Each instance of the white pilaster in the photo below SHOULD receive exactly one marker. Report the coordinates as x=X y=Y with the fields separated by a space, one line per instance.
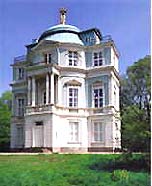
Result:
x=47 y=88
x=33 y=91
x=59 y=91
x=29 y=91
x=52 y=88
x=58 y=53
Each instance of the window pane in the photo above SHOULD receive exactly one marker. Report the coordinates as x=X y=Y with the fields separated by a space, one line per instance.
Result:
x=100 y=54
x=44 y=98
x=73 y=131
x=70 y=100
x=75 y=54
x=95 y=63
x=100 y=92
x=70 y=92
x=70 y=54
x=73 y=97
x=98 y=131
x=75 y=92
x=100 y=62
x=75 y=63
x=45 y=58
x=70 y=62
x=96 y=103
x=95 y=55
x=98 y=59
x=49 y=58
x=70 y=104
x=95 y=92
x=101 y=102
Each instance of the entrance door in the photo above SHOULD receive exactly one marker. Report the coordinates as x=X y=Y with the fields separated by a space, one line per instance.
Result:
x=38 y=136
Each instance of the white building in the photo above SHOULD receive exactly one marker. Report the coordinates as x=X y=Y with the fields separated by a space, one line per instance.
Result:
x=66 y=92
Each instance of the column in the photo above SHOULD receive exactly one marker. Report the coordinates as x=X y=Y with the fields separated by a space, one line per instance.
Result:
x=29 y=91
x=59 y=91
x=52 y=88
x=47 y=88
x=33 y=91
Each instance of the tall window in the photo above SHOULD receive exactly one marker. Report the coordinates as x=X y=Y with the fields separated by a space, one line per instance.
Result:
x=97 y=59
x=74 y=131
x=98 y=132
x=20 y=107
x=73 y=97
x=47 y=58
x=19 y=136
x=20 y=73
x=98 y=97
x=73 y=58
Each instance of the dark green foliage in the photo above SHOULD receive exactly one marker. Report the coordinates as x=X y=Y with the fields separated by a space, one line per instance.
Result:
x=135 y=130
x=127 y=161
x=66 y=170
x=135 y=97
x=5 y=116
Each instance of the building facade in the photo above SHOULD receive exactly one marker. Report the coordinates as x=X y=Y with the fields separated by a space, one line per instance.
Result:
x=66 y=92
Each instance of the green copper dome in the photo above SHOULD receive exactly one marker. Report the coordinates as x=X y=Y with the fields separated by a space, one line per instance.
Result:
x=62 y=33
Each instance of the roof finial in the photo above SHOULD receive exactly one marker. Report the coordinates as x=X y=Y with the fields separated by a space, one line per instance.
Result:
x=63 y=12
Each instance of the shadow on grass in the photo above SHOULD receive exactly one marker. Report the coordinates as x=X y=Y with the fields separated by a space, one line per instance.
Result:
x=126 y=161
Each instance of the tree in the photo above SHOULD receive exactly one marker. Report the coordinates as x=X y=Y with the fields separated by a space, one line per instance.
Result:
x=5 y=116
x=135 y=106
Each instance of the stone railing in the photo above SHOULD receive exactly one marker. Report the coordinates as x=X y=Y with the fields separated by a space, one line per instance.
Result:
x=68 y=111
x=20 y=59
x=38 y=108
x=103 y=110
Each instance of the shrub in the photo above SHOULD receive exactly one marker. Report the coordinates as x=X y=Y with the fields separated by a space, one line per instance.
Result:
x=120 y=175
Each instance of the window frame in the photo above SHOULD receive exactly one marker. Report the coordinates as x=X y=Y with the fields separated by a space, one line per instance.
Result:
x=100 y=134
x=73 y=59
x=20 y=106
x=20 y=73
x=48 y=58
x=74 y=132
x=73 y=97
x=98 y=58
x=98 y=87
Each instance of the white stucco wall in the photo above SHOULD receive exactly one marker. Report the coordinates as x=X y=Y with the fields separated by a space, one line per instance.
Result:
x=114 y=59
x=47 y=129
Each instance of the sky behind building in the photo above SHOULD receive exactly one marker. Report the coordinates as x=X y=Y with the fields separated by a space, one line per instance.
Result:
x=127 y=21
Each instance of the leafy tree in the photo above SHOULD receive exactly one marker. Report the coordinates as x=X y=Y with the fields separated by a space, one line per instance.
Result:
x=135 y=130
x=135 y=106
x=5 y=116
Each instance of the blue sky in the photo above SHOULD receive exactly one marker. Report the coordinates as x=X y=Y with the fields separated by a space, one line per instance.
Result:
x=128 y=21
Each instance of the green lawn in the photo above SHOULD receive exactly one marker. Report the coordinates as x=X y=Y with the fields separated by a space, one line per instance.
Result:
x=70 y=170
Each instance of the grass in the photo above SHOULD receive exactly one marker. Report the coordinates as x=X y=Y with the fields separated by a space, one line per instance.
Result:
x=71 y=170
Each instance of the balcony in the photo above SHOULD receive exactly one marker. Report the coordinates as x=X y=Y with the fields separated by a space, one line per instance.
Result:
x=106 y=38
x=19 y=59
x=40 y=109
